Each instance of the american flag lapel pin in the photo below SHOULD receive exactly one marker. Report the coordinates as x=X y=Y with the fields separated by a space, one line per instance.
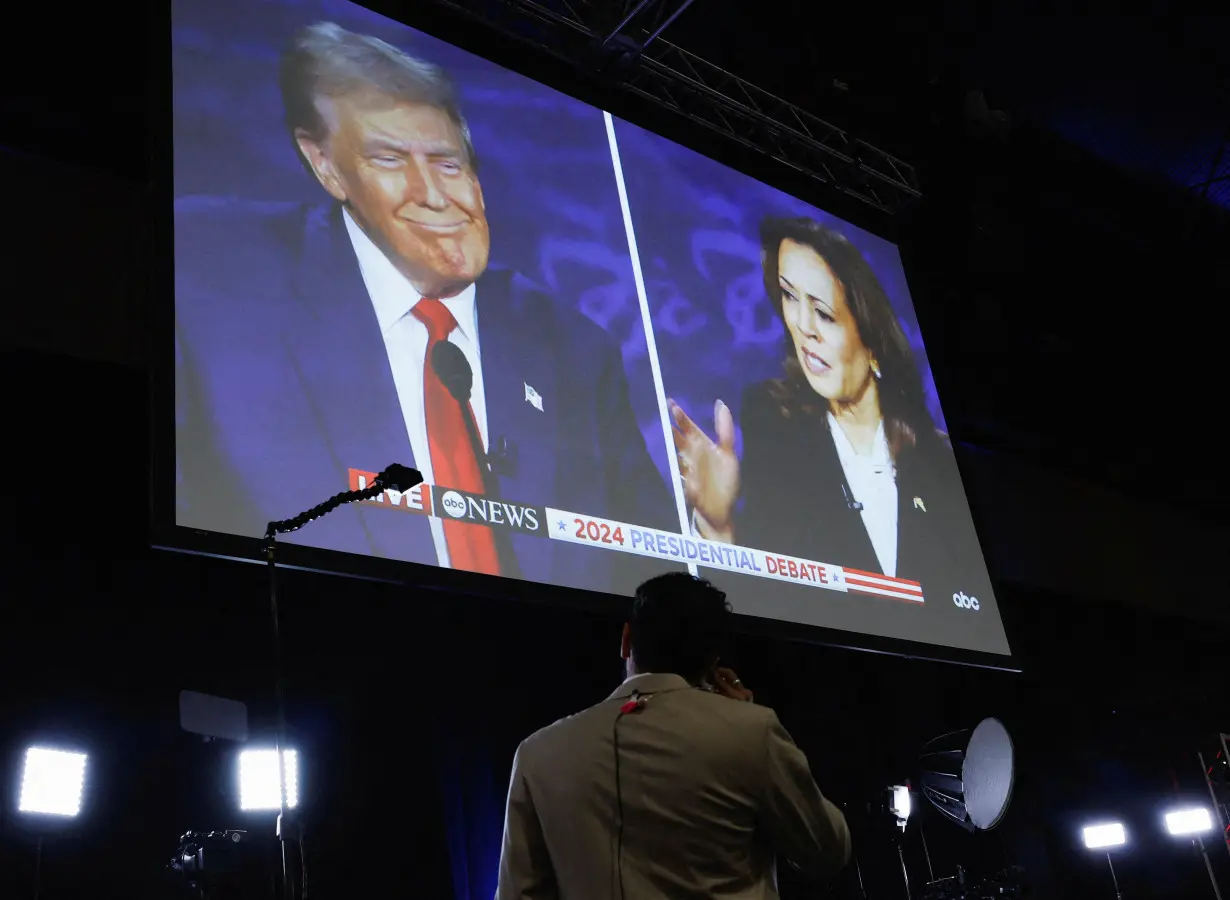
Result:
x=533 y=398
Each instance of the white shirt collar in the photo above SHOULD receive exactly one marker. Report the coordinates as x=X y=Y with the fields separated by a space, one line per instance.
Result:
x=879 y=455
x=392 y=293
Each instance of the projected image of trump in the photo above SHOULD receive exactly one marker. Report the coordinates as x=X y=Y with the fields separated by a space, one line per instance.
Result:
x=310 y=341
x=841 y=460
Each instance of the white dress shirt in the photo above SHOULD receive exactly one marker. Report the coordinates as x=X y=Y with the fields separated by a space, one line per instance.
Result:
x=872 y=480
x=405 y=341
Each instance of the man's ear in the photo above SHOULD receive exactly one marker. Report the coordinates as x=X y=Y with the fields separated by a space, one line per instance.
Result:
x=322 y=165
x=625 y=644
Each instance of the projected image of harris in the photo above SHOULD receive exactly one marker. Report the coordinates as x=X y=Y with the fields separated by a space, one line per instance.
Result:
x=328 y=325
x=804 y=415
x=843 y=435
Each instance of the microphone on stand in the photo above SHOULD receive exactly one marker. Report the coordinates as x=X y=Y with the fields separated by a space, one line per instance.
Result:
x=453 y=369
x=398 y=478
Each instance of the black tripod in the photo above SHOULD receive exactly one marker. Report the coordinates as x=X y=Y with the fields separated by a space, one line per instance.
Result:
x=395 y=477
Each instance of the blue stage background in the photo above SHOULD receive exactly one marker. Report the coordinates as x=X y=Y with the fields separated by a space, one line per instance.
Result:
x=544 y=158
x=697 y=225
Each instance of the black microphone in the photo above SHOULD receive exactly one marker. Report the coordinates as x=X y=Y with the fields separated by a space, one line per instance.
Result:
x=453 y=369
x=399 y=478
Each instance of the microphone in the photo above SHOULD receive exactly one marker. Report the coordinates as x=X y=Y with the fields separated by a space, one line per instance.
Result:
x=399 y=478
x=453 y=369
x=635 y=704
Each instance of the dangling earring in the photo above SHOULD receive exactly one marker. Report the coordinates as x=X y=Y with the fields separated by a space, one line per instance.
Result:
x=875 y=368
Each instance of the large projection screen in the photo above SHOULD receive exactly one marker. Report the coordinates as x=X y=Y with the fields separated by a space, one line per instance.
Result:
x=609 y=355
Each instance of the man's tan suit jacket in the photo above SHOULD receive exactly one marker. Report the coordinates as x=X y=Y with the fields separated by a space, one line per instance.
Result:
x=710 y=790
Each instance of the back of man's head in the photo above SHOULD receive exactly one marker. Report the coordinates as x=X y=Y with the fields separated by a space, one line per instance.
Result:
x=679 y=625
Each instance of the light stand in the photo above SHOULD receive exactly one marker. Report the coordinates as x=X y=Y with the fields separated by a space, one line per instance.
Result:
x=926 y=850
x=900 y=806
x=905 y=872
x=1113 y=878
x=395 y=477
x=1105 y=838
x=1208 y=865
x=52 y=786
x=1194 y=823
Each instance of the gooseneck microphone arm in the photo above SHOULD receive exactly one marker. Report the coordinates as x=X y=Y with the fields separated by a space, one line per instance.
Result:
x=395 y=477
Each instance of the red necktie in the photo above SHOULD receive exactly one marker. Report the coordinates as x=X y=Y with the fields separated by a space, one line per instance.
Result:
x=453 y=461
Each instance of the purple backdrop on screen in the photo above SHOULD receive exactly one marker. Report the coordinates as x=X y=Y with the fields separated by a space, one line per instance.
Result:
x=697 y=233
x=545 y=160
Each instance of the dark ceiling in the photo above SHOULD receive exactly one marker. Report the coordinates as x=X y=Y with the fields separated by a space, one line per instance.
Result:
x=1149 y=91
x=1069 y=280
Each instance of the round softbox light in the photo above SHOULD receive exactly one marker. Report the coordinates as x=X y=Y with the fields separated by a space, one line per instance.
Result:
x=968 y=775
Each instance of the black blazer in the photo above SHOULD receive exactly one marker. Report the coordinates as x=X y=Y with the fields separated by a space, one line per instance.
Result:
x=795 y=501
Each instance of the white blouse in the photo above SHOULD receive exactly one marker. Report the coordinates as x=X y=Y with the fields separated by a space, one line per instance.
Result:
x=872 y=480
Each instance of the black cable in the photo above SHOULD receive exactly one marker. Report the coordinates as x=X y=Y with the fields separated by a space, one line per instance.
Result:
x=619 y=801
x=635 y=704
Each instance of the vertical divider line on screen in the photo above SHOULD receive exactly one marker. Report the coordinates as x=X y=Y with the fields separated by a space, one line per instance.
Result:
x=651 y=343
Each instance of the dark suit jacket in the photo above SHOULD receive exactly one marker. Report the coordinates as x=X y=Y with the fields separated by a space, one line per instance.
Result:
x=794 y=501
x=283 y=385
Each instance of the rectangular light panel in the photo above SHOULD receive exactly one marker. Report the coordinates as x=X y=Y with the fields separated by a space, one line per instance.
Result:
x=1099 y=837
x=258 y=779
x=1189 y=821
x=900 y=802
x=52 y=781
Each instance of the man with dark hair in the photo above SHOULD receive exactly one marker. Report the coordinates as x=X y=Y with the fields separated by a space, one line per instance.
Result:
x=308 y=340
x=677 y=785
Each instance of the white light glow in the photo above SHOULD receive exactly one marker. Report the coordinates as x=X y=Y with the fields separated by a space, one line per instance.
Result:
x=901 y=802
x=1099 y=837
x=52 y=782
x=1189 y=821
x=258 y=779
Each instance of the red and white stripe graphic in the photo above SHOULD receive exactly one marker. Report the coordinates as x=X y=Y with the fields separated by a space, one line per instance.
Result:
x=883 y=586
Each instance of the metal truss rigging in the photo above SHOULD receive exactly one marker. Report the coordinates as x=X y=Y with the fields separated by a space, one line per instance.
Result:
x=622 y=41
x=1215 y=186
